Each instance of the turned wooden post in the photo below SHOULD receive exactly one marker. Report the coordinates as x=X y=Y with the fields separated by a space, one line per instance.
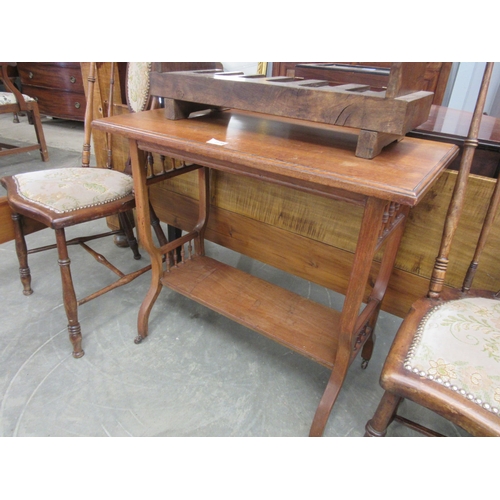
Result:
x=88 y=116
x=457 y=200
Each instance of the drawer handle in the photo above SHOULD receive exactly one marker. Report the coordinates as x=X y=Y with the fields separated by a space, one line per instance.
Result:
x=72 y=79
x=77 y=105
x=30 y=75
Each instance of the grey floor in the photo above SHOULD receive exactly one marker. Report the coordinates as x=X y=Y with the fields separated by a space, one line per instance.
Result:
x=197 y=374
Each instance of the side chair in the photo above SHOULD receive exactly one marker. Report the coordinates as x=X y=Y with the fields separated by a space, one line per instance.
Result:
x=13 y=101
x=64 y=197
x=446 y=354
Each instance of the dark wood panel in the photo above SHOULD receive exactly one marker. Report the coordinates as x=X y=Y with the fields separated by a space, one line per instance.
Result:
x=7 y=226
x=68 y=105
x=58 y=88
x=452 y=126
x=53 y=76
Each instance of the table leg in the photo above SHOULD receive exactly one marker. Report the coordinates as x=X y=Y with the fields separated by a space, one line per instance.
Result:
x=382 y=281
x=147 y=304
x=365 y=251
x=143 y=214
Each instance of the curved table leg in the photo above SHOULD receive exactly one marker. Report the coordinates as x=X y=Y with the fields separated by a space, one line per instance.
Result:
x=329 y=397
x=150 y=298
x=365 y=251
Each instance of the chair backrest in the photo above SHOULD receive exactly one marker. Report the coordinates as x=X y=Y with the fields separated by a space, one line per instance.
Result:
x=138 y=78
x=458 y=196
x=9 y=85
x=109 y=138
x=139 y=98
x=483 y=236
x=138 y=81
x=89 y=114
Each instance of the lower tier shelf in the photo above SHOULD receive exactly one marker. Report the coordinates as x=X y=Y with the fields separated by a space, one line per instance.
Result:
x=298 y=323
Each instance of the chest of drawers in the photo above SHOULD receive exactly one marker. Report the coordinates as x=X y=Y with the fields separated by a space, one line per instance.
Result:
x=57 y=87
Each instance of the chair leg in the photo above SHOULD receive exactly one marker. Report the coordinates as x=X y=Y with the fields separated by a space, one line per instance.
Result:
x=69 y=296
x=34 y=116
x=386 y=411
x=155 y=222
x=22 y=254
x=173 y=234
x=129 y=234
x=367 y=351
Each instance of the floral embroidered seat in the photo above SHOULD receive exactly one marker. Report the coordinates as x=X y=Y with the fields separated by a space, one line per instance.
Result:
x=64 y=190
x=446 y=353
x=457 y=345
x=10 y=98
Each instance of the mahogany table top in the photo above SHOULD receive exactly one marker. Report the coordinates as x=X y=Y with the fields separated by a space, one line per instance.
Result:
x=454 y=123
x=314 y=157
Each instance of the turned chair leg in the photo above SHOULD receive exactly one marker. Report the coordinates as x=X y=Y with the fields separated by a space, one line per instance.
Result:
x=129 y=234
x=155 y=222
x=22 y=254
x=367 y=351
x=69 y=296
x=386 y=411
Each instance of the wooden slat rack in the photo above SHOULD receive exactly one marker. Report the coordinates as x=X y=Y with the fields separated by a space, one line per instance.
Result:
x=382 y=115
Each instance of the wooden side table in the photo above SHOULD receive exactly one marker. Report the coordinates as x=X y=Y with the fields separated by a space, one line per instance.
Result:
x=318 y=159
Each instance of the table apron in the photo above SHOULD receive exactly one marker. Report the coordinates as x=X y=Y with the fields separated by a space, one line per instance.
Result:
x=257 y=173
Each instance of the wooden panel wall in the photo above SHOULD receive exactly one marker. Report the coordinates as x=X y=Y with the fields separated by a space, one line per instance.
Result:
x=6 y=225
x=314 y=237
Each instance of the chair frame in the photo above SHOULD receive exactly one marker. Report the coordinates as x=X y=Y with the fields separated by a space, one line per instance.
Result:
x=400 y=383
x=22 y=106
x=22 y=209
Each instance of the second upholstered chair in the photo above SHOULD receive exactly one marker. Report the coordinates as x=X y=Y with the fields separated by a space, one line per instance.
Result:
x=446 y=354
x=12 y=101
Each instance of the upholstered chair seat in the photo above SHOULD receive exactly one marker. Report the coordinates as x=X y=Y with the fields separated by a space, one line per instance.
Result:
x=10 y=98
x=64 y=190
x=457 y=345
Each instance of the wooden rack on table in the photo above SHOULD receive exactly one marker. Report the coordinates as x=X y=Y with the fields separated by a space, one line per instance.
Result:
x=383 y=115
